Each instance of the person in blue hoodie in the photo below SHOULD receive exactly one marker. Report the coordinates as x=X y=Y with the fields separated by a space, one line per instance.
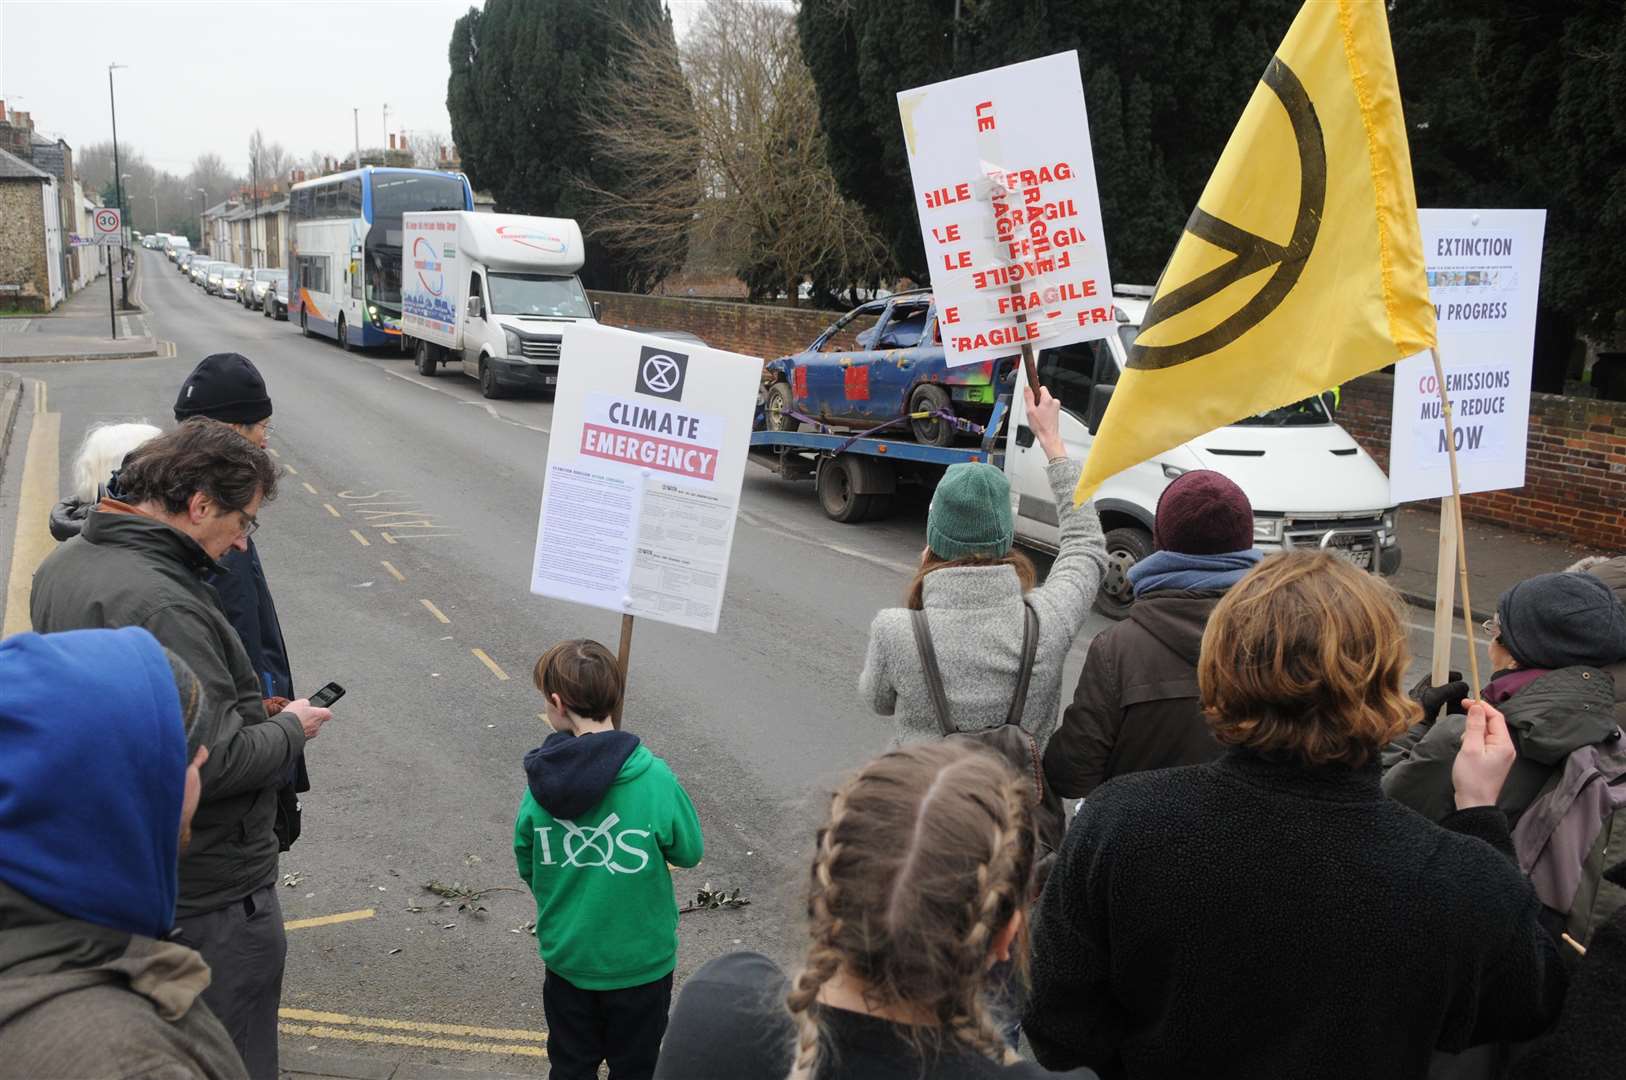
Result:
x=104 y=734
x=600 y=821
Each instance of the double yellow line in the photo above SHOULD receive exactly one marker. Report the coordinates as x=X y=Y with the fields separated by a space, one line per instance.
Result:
x=371 y=1029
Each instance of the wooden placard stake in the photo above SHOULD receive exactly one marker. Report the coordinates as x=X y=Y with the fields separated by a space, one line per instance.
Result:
x=623 y=655
x=1445 y=592
x=1453 y=506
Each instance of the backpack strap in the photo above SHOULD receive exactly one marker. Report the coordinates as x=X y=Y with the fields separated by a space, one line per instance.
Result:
x=929 y=668
x=1030 y=648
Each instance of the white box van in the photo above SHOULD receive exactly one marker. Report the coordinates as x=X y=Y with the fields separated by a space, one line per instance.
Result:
x=1310 y=483
x=487 y=292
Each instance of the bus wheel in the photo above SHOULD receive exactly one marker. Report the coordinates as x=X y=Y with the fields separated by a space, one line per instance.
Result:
x=425 y=359
x=344 y=335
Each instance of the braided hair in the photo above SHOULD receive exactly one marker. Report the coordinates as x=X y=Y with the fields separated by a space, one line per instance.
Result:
x=926 y=856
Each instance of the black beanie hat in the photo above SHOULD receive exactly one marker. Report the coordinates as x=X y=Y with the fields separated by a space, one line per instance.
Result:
x=1561 y=620
x=1203 y=513
x=225 y=387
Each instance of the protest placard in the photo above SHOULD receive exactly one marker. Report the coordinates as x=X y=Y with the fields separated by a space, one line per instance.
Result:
x=1484 y=269
x=1006 y=193
x=646 y=455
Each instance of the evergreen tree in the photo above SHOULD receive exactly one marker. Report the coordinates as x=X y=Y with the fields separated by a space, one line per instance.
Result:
x=524 y=73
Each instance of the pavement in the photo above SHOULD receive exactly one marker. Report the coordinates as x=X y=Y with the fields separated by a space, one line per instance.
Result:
x=80 y=328
x=297 y=1064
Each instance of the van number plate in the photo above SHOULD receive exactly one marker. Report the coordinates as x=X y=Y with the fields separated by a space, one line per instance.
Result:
x=1361 y=557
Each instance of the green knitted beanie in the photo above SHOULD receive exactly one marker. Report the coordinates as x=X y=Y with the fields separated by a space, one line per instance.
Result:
x=971 y=513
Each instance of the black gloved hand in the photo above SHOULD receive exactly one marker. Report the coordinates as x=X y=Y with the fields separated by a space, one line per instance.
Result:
x=1452 y=696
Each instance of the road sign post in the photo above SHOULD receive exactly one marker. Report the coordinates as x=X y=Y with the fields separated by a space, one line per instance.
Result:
x=108 y=224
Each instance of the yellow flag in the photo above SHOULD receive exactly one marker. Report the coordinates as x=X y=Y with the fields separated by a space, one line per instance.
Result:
x=1302 y=265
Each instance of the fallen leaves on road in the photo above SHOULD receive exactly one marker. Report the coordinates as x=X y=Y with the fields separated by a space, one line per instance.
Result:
x=709 y=899
x=464 y=897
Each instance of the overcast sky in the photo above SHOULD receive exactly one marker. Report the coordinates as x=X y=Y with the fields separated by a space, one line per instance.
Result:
x=202 y=75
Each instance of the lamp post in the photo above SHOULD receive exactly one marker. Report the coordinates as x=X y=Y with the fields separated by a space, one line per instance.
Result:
x=203 y=204
x=118 y=182
x=155 y=212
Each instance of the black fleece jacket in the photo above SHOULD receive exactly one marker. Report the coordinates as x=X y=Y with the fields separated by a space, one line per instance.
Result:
x=1250 y=919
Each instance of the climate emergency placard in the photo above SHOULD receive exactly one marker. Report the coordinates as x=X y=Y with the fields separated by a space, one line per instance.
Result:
x=1484 y=270
x=1005 y=189
x=646 y=455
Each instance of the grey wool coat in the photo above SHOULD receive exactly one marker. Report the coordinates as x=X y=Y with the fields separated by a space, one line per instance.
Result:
x=976 y=618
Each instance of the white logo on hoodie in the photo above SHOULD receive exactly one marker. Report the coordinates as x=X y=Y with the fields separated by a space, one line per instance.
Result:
x=599 y=848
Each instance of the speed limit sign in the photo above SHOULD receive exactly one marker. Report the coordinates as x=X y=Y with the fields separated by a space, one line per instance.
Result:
x=109 y=226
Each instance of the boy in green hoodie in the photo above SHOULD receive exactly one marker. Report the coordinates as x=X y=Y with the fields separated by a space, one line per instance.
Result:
x=601 y=819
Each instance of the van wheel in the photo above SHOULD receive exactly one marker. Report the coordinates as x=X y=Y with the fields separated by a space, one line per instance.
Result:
x=488 y=382
x=932 y=430
x=1126 y=546
x=344 y=335
x=835 y=483
x=781 y=403
x=424 y=359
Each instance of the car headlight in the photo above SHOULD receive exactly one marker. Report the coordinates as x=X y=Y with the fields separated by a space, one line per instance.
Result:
x=511 y=340
x=1268 y=529
x=1386 y=535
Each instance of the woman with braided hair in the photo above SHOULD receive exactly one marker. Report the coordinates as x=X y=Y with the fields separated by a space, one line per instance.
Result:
x=918 y=888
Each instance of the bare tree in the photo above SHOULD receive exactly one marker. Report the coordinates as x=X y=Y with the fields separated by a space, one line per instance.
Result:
x=209 y=172
x=735 y=167
x=427 y=148
x=268 y=161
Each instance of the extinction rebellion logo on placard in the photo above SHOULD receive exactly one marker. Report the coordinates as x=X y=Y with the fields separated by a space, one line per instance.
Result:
x=661 y=372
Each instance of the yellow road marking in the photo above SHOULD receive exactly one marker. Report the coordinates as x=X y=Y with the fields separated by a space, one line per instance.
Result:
x=410 y=1040
x=312 y=1016
x=330 y=509
x=388 y=539
x=33 y=541
x=480 y=655
x=307 y=486
x=360 y=539
x=435 y=611
x=394 y=573
x=291 y=470
x=40 y=393
x=329 y=920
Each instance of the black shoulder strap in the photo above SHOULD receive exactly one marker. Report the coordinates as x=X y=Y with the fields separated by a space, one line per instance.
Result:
x=928 y=666
x=1030 y=647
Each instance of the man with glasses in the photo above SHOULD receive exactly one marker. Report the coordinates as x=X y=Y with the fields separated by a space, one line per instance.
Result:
x=229 y=388
x=187 y=499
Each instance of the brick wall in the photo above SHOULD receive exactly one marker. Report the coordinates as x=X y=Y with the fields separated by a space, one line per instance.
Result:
x=1575 y=471
x=754 y=329
x=22 y=245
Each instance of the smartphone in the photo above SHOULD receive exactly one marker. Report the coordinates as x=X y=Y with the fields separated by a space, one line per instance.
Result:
x=327 y=695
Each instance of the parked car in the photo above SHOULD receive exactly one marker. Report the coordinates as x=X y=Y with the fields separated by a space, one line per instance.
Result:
x=882 y=361
x=216 y=275
x=253 y=293
x=275 y=304
x=231 y=282
x=200 y=270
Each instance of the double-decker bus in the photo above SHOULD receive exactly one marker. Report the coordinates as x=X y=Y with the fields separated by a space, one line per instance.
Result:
x=344 y=248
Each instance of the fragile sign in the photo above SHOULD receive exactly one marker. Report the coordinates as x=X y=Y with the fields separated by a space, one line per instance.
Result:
x=1484 y=270
x=1008 y=208
x=646 y=456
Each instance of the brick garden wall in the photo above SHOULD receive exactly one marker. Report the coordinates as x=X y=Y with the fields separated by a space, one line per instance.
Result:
x=1576 y=470
x=754 y=329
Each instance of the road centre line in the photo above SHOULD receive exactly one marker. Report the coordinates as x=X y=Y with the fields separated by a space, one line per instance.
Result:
x=291 y=470
x=1430 y=629
x=360 y=539
x=310 y=1032
x=329 y=920
x=307 y=487
x=40 y=392
x=330 y=509
x=394 y=573
x=312 y=1016
x=435 y=611
x=388 y=539
x=480 y=655
x=272 y=451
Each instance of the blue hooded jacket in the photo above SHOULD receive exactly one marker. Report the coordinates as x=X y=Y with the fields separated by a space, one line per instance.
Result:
x=91 y=776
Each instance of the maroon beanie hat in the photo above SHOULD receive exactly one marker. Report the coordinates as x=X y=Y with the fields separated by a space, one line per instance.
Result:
x=1203 y=513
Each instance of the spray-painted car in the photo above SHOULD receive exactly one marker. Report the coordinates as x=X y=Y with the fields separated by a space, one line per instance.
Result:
x=877 y=363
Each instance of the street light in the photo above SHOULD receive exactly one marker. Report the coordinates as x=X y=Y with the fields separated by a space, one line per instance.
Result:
x=118 y=183
x=203 y=204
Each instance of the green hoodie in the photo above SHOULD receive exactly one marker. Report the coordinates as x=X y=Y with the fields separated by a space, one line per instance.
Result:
x=606 y=918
